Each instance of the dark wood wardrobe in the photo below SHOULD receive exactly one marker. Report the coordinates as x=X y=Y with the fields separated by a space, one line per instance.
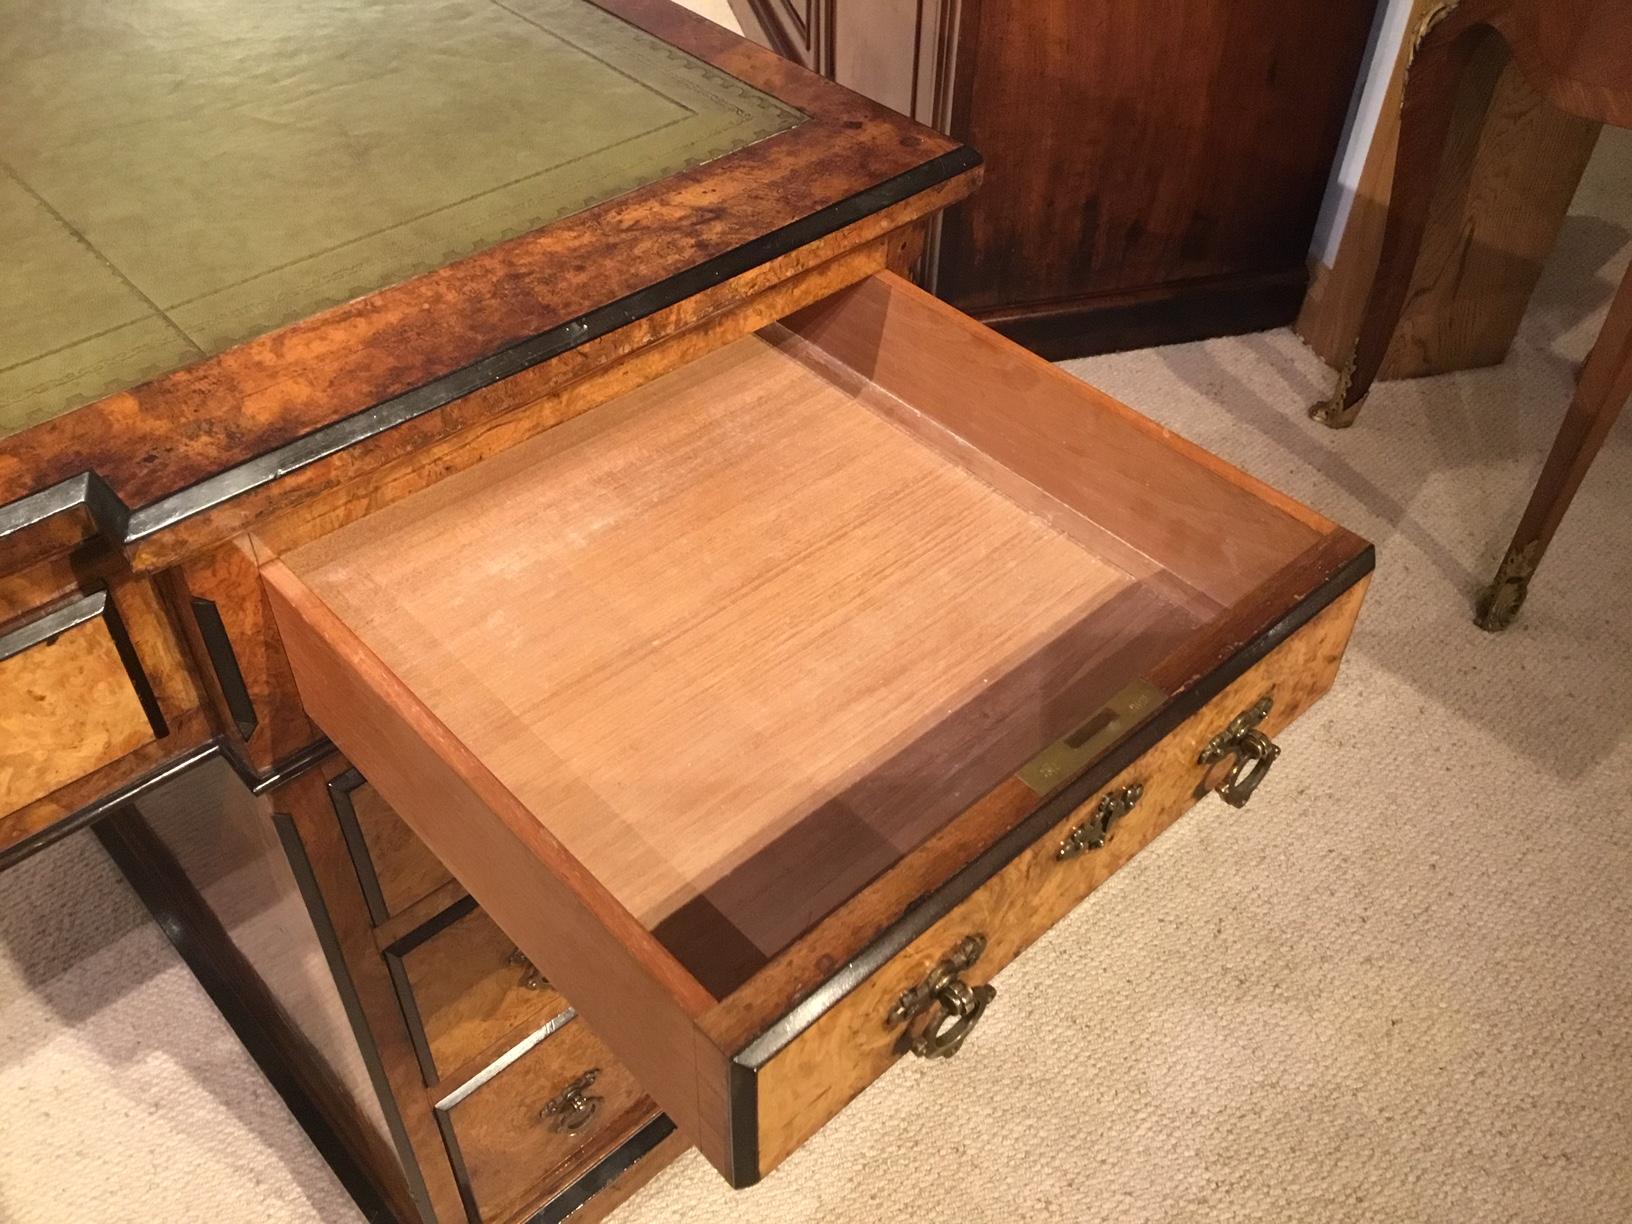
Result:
x=1154 y=167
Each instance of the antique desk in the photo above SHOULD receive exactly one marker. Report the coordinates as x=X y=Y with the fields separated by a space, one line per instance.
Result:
x=582 y=658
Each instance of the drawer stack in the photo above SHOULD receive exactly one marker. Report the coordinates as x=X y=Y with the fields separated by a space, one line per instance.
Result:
x=524 y=1097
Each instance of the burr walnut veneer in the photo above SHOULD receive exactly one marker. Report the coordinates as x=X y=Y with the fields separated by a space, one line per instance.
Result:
x=580 y=656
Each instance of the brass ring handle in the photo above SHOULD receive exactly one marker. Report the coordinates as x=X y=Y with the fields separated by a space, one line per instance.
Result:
x=963 y=1005
x=943 y=1008
x=1254 y=752
x=572 y=1110
x=531 y=978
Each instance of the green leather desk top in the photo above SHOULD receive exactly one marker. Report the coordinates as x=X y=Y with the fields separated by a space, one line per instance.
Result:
x=177 y=176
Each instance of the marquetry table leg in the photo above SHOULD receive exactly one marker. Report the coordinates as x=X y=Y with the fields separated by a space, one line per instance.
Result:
x=1601 y=392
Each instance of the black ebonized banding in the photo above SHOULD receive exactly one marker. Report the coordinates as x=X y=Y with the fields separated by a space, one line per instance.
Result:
x=70 y=616
x=224 y=659
x=107 y=804
x=611 y=1167
x=257 y=784
x=404 y=988
x=340 y=789
x=53 y=624
x=312 y=894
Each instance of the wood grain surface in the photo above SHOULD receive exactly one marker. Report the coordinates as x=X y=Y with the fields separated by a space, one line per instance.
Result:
x=70 y=708
x=1093 y=466
x=743 y=593
x=427 y=447
x=1511 y=166
x=558 y=914
x=805 y=1085
x=404 y=866
x=470 y=992
x=1131 y=197
x=229 y=578
x=338 y=902
x=510 y=1145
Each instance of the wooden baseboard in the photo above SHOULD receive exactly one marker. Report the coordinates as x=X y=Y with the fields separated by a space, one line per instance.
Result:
x=1170 y=314
x=290 y=1065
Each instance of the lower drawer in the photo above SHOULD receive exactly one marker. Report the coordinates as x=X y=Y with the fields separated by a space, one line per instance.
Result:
x=518 y=1122
x=464 y=987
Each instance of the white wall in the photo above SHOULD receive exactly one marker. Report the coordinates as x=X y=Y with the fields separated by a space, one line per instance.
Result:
x=1387 y=36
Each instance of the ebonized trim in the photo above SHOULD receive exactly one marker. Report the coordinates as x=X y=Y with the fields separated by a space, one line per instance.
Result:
x=340 y=789
x=743 y=1087
x=224 y=660
x=234 y=988
x=108 y=804
x=53 y=624
x=404 y=988
x=257 y=784
x=611 y=1167
x=312 y=894
x=123 y=525
x=568 y=1200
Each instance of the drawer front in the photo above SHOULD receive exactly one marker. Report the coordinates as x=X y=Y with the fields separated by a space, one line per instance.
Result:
x=394 y=867
x=465 y=988
x=832 y=1061
x=74 y=699
x=511 y=1128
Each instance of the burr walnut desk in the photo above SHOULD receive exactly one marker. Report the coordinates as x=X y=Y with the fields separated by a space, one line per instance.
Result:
x=582 y=658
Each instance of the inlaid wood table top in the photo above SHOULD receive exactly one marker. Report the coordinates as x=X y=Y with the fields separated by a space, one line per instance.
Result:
x=241 y=241
x=189 y=174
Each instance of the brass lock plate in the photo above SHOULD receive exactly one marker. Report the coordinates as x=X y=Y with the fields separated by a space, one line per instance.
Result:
x=1064 y=759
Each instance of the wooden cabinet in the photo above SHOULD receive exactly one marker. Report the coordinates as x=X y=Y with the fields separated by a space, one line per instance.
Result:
x=1154 y=170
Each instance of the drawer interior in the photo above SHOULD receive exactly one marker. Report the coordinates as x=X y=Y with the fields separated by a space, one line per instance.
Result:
x=743 y=638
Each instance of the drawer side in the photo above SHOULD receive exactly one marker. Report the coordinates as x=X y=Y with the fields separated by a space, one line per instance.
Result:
x=645 y=1005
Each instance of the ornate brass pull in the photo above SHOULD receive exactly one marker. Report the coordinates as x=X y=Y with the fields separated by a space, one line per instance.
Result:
x=944 y=1008
x=571 y=1111
x=1254 y=753
x=1091 y=833
x=531 y=978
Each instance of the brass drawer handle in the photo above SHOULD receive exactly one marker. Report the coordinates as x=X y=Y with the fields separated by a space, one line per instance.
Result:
x=1092 y=833
x=572 y=1110
x=1254 y=753
x=531 y=978
x=943 y=1008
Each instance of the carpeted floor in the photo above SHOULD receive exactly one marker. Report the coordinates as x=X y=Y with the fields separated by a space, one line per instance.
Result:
x=1396 y=987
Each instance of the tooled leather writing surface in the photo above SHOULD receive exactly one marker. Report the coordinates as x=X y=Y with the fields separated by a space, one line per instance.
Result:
x=178 y=176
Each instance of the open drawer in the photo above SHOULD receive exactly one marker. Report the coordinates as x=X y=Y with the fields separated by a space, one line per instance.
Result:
x=772 y=707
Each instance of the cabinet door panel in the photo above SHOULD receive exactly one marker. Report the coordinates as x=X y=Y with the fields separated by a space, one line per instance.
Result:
x=1134 y=146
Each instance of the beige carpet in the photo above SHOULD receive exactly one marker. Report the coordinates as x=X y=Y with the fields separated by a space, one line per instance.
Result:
x=1397 y=987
